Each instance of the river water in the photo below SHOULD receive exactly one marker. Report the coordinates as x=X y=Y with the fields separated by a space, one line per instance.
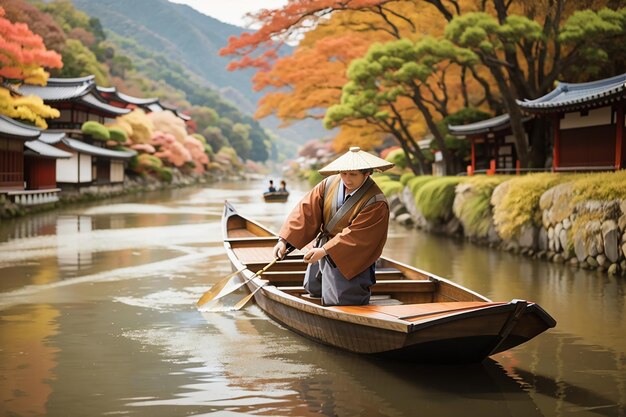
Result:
x=98 y=318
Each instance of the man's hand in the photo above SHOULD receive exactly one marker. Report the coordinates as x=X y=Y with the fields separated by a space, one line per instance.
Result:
x=314 y=255
x=280 y=249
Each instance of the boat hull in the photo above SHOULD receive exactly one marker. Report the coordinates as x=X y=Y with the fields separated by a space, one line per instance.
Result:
x=431 y=319
x=462 y=339
x=276 y=196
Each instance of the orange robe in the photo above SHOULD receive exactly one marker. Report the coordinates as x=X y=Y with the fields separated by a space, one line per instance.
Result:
x=356 y=247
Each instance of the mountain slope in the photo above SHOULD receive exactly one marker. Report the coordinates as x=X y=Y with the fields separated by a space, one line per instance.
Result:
x=192 y=40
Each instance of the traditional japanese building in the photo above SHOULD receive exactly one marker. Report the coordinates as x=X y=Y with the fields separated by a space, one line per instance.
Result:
x=88 y=165
x=125 y=101
x=151 y=104
x=79 y=100
x=588 y=123
x=28 y=163
x=492 y=144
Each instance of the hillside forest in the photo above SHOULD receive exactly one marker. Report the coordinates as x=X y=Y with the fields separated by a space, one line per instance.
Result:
x=42 y=39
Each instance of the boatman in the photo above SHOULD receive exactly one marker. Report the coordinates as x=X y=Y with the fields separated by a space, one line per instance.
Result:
x=346 y=216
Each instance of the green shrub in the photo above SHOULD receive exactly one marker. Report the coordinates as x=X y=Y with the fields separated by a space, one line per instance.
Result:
x=434 y=199
x=117 y=135
x=145 y=160
x=96 y=130
x=397 y=157
x=406 y=177
x=390 y=188
x=380 y=178
x=165 y=174
x=472 y=204
x=314 y=177
x=416 y=183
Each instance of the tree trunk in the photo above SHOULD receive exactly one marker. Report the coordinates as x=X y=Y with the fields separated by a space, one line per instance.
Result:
x=515 y=114
x=539 y=142
x=445 y=152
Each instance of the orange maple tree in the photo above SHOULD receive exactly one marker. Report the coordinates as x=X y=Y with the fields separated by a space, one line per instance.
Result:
x=333 y=34
x=23 y=57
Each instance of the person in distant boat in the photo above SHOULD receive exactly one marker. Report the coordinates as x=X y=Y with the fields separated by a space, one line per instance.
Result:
x=271 y=188
x=283 y=186
x=346 y=216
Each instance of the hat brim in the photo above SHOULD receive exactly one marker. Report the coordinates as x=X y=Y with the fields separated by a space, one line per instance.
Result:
x=356 y=161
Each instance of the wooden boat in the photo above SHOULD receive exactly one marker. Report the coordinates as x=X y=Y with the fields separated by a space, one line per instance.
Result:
x=413 y=315
x=275 y=196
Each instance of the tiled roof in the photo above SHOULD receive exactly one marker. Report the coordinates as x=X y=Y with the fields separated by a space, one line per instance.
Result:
x=86 y=148
x=137 y=100
x=126 y=98
x=58 y=89
x=9 y=127
x=92 y=101
x=51 y=138
x=155 y=107
x=43 y=149
x=570 y=96
x=484 y=126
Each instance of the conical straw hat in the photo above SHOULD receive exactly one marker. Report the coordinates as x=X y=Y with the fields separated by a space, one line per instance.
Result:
x=355 y=160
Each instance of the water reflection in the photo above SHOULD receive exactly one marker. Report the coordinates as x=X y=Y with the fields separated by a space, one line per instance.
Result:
x=97 y=316
x=28 y=359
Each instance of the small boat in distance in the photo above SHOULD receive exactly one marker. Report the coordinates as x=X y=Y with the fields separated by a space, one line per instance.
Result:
x=275 y=196
x=412 y=315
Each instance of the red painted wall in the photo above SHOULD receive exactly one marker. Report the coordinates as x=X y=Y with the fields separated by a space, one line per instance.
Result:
x=40 y=173
x=587 y=146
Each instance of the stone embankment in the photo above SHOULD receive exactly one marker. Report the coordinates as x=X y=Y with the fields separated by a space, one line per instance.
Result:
x=589 y=234
x=131 y=185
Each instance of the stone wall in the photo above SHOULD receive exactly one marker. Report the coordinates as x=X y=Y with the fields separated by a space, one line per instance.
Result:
x=588 y=234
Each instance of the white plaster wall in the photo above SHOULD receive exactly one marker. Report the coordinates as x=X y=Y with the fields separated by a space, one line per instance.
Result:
x=67 y=169
x=596 y=117
x=117 y=171
x=85 y=168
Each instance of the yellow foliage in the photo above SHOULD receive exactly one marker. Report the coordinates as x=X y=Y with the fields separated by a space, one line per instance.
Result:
x=600 y=186
x=28 y=108
x=36 y=75
x=141 y=126
x=520 y=204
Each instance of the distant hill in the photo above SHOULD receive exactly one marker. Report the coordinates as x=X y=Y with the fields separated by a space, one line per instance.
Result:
x=191 y=40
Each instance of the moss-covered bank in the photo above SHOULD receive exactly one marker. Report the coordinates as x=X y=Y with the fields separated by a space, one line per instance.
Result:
x=579 y=219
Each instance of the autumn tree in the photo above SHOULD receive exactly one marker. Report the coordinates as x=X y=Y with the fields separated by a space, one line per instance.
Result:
x=406 y=70
x=38 y=22
x=23 y=57
x=306 y=83
x=526 y=58
x=523 y=50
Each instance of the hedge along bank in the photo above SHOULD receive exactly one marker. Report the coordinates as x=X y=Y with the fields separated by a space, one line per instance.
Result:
x=575 y=218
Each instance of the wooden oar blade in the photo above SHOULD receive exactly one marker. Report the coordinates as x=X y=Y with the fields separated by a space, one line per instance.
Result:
x=241 y=284
x=216 y=289
x=245 y=300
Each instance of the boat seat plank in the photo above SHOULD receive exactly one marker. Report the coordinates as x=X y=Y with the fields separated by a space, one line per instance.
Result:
x=380 y=299
x=240 y=233
x=403 y=285
x=264 y=241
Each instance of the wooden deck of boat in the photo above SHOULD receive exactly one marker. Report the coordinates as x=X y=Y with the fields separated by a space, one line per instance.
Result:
x=413 y=312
